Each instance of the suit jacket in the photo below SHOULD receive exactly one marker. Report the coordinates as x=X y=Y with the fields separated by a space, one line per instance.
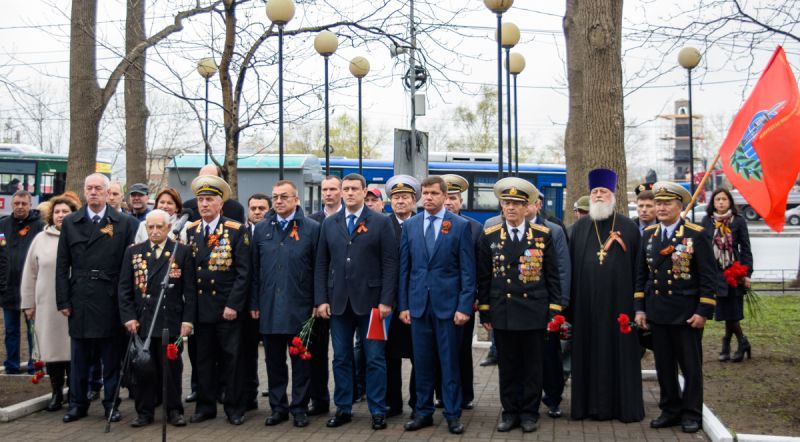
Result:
x=562 y=256
x=517 y=295
x=223 y=270
x=87 y=271
x=282 y=290
x=17 y=238
x=361 y=268
x=140 y=285
x=447 y=277
x=678 y=278
x=741 y=252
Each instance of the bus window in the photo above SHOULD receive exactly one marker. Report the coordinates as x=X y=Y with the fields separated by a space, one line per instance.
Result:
x=10 y=183
x=46 y=184
x=483 y=197
x=311 y=197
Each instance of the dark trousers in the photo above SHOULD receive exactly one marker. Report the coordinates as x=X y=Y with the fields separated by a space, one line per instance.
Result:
x=431 y=336
x=96 y=375
x=320 y=338
x=219 y=339
x=148 y=387
x=359 y=369
x=191 y=345
x=275 y=347
x=394 y=384
x=249 y=359
x=464 y=364
x=84 y=353
x=679 y=346
x=552 y=370
x=12 y=324
x=519 y=363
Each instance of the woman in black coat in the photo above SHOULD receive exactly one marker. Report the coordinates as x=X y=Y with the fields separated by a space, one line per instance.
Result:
x=731 y=243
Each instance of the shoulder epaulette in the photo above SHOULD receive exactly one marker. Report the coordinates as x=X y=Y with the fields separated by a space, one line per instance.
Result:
x=541 y=228
x=233 y=224
x=693 y=226
x=192 y=225
x=139 y=243
x=651 y=227
x=494 y=228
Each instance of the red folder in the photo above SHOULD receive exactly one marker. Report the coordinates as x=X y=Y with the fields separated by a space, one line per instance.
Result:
x=378 y=329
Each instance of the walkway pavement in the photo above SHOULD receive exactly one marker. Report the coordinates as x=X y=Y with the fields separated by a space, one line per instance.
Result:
x=480 y=423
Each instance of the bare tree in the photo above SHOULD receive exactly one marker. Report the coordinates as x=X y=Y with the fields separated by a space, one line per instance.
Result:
x=136 y=112
x=478 y=124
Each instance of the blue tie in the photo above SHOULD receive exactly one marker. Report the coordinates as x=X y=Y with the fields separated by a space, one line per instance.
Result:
x=430 y=235
x=283 y=224
x=351 y=224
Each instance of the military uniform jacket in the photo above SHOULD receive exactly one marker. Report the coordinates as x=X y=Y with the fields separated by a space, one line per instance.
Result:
x=676 y=279
x=15 y=238
x=87 y=271
x=223 y=268
x=140 y=284
x=283 y=269
x=518 y=284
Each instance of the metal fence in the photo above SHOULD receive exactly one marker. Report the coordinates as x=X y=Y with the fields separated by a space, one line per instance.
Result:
x=776 y=280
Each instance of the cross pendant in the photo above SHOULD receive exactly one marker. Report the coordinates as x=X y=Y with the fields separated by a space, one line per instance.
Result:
x=601 y=255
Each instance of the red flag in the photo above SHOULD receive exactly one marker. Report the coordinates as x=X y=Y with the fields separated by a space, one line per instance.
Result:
x=761 y=153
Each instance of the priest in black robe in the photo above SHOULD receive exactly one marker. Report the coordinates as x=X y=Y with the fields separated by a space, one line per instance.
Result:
x=606 y=370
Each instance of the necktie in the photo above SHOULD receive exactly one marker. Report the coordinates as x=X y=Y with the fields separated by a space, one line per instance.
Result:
x=96 y=219
x=156 y=252
x=283 y=224
x=430 y=235
x=664 y=236
x=208 y=231
x=351 y=224
x=515 y=235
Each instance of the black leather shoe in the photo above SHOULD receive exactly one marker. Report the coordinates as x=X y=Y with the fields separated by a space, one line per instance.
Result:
x=141 y=421
x=317 y=409
x=176 y=419
x=56 y=401
x=419 y=422
x=339 y=419
x=73 y=414
x=665 y=421
x=490 y=360
x=192 y=397
x=236 y=419
x=468 y=406
x=455 y=426
x=116 y=416
x=92 y=395
x=438 y=403
x=690 y=426
x=394 y=411
x=554 y=412
x=200 y=417
x=300 y=419
x=378 y=422
x=276 y=418
x=507 y=424
x=529 y=425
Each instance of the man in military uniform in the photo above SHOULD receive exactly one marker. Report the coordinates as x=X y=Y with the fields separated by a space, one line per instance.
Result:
x=518 y=293
x=143 y=270
x=674 y=297
x=221 y=249
x=90 y=251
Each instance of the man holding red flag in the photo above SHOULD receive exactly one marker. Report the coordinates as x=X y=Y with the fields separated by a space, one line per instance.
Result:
x=761 y=153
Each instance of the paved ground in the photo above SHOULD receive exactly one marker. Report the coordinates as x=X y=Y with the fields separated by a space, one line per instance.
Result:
x=480 y=424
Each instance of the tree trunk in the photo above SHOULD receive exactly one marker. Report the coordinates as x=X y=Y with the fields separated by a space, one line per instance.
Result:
x=604 y=141
x=136 y=112
x=574 y=137
x=84 y=95
x=230 y=103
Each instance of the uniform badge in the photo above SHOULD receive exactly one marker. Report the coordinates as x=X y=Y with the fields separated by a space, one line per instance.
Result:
x=108 y=230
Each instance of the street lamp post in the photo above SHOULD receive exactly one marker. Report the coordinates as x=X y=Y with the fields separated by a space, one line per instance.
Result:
x=509 y=37
x=359 y=67
x=689 y=58
x=499 y=7
x=326 y=44
x=516 y=64
x=206 y=67
x=280 y=12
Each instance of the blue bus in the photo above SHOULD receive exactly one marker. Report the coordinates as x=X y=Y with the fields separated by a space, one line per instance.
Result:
x=479 y=202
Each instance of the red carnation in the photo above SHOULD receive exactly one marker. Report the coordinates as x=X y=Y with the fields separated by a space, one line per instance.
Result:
x=172 y=352
x=305 y=356
x=555 y=324
x=34 y=379
x=294 y=351
x=38 y=365
x=735 y=273
x=623 y=319
x=39 y=374
x=625 y=329
x=297 y=342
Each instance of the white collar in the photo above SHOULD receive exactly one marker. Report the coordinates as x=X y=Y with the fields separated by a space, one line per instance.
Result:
x=212 y=226
x=347 y=212
x=92 y=214
x=288 y=218
x=440 y=214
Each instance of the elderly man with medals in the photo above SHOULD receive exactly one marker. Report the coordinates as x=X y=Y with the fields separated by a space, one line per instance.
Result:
x=606 y=370
x=221 y=249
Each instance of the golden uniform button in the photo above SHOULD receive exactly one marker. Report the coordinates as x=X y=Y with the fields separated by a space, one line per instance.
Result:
x=199 y=268
x=508 y=281
x=213 y=292
x=212 y=281
x=669 y=272
x=508 y=295
x=200 y=292
x=198 y=280
x=525 y=295
x=669 y=292
x=655 y=281
x=669 y=282
x=657 y=292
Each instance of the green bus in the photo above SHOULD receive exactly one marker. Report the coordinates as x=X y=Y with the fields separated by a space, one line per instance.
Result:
x=42 y=174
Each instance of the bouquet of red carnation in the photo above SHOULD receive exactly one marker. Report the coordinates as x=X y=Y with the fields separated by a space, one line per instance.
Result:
x=38 y=364
x=625 y=324
x=554 y=326
x=735 y=273
x=173 y=347
x=300 y=343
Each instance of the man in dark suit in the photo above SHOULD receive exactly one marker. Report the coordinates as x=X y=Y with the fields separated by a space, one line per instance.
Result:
x=518 y=291
x=90 y=251
x=437 y=291
x=403 y=193
x=675 y=288
x=143 y=269
x=356 y=272
x=645 y=207
x=284 y=249
x=221 y=249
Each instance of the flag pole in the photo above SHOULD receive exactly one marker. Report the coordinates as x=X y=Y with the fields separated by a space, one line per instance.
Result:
x=700 y=187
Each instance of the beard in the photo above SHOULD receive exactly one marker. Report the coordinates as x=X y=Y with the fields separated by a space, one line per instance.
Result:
x=599 y=211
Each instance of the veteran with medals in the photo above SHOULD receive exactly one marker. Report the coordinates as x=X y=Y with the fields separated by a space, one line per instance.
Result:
x=143 y=269
x=675 y=289
x=221 y=250
x=606 y=370
x=518 y=293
